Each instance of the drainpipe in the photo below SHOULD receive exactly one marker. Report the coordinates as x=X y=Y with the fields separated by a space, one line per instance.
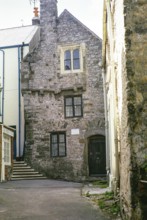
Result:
x=19 y=101
x=116 y=178
x=3 y=84
x=3 y=166
x=104 y=88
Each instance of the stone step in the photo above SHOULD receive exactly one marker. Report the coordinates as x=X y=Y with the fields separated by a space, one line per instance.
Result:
x=28 y=178
x=18 y=162
x=26 y=175
x=22 y=171
x=25 y=172
x=20 y=165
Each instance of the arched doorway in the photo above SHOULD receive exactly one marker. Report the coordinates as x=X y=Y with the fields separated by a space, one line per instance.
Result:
x=97 y=156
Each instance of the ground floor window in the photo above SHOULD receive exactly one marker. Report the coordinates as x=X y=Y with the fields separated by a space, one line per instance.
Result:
x=58 y=144
x=7 y=149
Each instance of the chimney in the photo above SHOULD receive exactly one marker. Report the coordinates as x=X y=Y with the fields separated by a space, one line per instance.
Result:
x=48 y=13
x=36 y=19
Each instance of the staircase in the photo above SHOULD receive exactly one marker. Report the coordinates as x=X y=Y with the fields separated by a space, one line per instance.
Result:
x=21 y=171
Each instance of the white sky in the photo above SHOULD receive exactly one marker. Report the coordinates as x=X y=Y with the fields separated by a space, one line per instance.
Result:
x=15 y=13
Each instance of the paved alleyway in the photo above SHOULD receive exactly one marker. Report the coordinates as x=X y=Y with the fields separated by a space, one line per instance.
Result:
x=45 y=200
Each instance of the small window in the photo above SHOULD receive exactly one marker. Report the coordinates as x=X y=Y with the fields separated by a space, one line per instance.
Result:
x=73 y=106
x=72 y=58
x=58 y=144
x=7 y=150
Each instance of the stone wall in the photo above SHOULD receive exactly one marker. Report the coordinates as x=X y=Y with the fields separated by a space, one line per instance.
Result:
x=126 y=52
x=136 y=90
x=131 y=70
x=44 y=89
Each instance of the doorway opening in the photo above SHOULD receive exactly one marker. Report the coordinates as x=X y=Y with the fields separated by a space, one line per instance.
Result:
x=97 y=156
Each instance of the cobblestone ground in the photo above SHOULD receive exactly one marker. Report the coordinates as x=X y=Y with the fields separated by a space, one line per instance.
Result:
x=45 y=200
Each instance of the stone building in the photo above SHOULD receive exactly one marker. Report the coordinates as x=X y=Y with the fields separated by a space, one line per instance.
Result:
x=63 y=98
x=125 y=88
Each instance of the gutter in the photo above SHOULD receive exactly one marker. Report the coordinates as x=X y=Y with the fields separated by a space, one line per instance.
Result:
x=14 y=46
x=3 y=81
x=104 y=36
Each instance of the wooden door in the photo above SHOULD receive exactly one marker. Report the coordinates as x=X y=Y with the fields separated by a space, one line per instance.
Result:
x=97 y=156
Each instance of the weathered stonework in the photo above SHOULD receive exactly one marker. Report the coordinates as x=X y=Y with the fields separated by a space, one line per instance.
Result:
x=127 y=41
x=44 y=88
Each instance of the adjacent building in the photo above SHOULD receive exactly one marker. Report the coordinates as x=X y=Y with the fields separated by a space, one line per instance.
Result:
x=62 y=88
x=15 y=43
x=6 y=152
x=125 y=89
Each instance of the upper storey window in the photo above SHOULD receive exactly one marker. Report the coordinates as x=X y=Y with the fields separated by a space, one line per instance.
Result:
x=71 y=58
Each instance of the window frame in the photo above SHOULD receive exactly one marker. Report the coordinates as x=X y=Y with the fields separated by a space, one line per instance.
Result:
x=73 y=106
x=71 y=48
x=7 y=152
x=58 y=133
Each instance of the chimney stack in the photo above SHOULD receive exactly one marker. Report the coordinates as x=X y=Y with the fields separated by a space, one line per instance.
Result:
x=36 y=19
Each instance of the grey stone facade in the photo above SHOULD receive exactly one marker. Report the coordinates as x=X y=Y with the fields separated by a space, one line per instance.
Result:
x=44 y=88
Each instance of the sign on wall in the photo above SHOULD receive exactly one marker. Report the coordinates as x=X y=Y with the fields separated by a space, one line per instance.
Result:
x=75 y=131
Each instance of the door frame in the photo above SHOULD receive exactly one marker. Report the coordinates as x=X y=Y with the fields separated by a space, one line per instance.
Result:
x=98 y=136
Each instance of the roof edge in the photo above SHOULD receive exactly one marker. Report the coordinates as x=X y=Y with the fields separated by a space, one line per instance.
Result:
x=66 y=11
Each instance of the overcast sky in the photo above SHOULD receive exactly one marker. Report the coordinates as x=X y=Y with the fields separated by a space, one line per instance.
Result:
x=15 y=13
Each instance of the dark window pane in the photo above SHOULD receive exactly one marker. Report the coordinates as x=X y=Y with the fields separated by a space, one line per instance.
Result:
x=54 y=150
x=69 y=111
x=61 y=138
x=54 y=138
x=68 y=101
x=76 y=59
x=67 y=64
x=67 y=60
x=77 y=101
x=78 y=111
x=67 y=55
x=62 y=149
x=76 y=54
x=76 y=64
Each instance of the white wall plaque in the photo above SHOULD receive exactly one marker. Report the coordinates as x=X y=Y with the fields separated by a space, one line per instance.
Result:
x=75 y=131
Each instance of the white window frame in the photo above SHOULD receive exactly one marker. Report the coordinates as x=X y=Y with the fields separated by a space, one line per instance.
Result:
x=7 y=149
x=62 y=49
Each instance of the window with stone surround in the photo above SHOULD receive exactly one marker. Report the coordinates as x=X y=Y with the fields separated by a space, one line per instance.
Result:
x=73 y=106
x=58 y=144
x=71 y=58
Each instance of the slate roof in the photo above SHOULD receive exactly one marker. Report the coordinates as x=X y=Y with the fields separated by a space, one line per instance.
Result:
x=17 y=35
